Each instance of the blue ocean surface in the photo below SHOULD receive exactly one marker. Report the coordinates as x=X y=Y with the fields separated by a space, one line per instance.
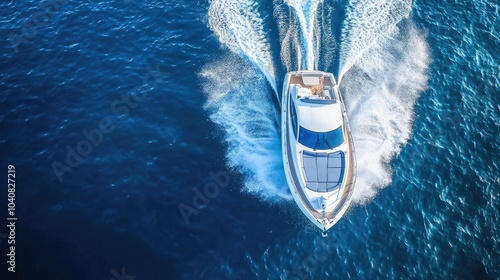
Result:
x=144 y=138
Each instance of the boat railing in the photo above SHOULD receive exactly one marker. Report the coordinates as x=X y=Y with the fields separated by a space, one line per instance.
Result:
x=355 y=165
x=288 y=160
x=349 y=190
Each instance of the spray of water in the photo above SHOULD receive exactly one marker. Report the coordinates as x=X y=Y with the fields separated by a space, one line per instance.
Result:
x=367 y=23
x=326 y=46
x=382 y=81
x=305 y=11
x=239 y=100
x=288 y=27
x=299 y=31
x=239 y=26
x=244 y=111
x=381 y=90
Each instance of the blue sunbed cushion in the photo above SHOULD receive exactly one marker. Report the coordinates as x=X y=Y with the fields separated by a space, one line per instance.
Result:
x=323 y=171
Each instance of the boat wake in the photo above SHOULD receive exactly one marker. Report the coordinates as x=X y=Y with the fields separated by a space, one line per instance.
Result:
x=246 y=113
x=239 y=26
x=368 y=23
x=381 y=80
x=300 y=31
x=380 y=92
x=383 y=70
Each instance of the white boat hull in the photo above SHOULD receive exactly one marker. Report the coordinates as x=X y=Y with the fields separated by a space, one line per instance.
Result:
x=322 y=206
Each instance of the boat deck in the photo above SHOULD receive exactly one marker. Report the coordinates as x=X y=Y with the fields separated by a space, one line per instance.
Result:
x=350 y=176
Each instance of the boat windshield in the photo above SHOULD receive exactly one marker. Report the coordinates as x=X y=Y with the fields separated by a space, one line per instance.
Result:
x=320 y=140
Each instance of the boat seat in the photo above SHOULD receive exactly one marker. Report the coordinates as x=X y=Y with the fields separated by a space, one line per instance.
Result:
x=303 y=92
x=311 y=80
x=323 y=172
x=328 y=94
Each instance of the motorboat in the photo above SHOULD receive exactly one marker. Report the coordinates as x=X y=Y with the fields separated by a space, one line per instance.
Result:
x=317 y=147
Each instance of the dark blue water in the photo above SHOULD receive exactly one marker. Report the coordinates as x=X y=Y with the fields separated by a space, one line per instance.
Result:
x=117 y=115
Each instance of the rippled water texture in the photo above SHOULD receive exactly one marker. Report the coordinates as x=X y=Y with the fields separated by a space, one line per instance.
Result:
x=191 y=91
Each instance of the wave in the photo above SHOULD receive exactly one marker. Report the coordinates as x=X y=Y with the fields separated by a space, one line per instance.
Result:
x=382 y=80
x=302 y=35
x=239 y=26
x=366 y=23
x=239 y=99
x=245 y=113
x=306 y=13
x=380 y=93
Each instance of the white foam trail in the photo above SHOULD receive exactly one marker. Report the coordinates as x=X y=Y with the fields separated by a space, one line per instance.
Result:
x=291 y=52
x=327 y=45
x=239 y=26
x=366 y=23
x=388 y=74
x=380 y=92
x=239 y=100
x=245 y=112
x=306 y=14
